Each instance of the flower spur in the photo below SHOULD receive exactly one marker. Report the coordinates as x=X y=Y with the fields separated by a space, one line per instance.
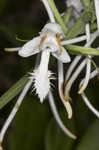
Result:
x=48 y=42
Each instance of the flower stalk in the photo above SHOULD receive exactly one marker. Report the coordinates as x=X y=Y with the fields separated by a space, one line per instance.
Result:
x=88 y=64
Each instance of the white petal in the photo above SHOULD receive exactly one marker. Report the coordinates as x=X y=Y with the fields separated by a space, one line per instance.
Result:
x=30 y=48
x=64 y=57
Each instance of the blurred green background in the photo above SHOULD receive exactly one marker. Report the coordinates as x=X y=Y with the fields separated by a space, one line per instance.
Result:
x=34 y=127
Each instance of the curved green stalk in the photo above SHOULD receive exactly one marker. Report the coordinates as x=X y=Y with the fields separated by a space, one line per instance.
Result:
x=82 y=50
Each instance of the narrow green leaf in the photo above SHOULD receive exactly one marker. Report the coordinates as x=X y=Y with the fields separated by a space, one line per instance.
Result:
x=67 y=16
x=13 y=91
x=82 y=50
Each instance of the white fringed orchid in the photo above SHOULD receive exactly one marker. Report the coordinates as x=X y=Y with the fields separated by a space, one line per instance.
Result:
x=48 y=42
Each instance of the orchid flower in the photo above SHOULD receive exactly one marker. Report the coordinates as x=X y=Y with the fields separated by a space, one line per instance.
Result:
x=49 y=42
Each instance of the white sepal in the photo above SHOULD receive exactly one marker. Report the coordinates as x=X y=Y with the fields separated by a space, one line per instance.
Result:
x=63 y=57
x=30 y=48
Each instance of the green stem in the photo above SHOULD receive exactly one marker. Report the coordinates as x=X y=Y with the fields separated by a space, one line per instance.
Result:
x=66 y=16
x=82 y=50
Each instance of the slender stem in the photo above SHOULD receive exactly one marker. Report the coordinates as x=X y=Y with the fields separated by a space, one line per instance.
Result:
x=56 y=115
x=78 y=70
x=74 y=40
x=49 y=11
x=92 y=75
x=93 y=37
x=73 y=78
x=88 y=65
x=97 y=11
x=77 y=58
x=85 y=99
x=72 y=66
x=87 y=76
x=60 y=88
x=14 y=110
